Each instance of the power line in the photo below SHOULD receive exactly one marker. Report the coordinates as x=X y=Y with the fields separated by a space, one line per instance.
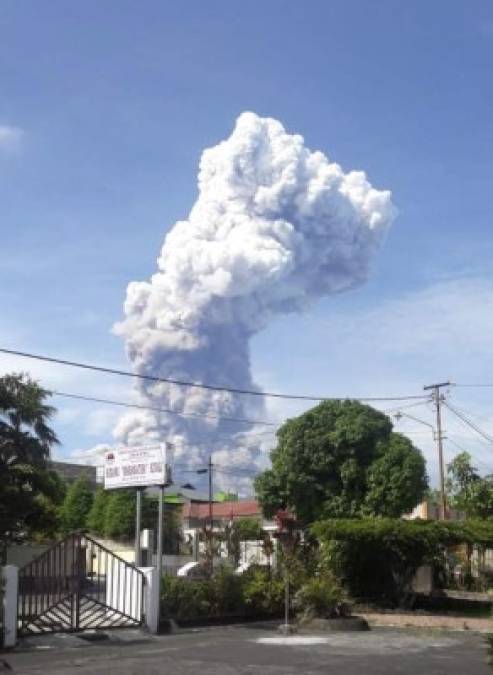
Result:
x=406 y=407
x=123 y=404
x=469 y=423
x=488 y=384
x=474 y=457
x=184 y=383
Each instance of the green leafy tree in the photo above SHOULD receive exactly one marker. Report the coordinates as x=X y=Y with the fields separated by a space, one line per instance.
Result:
x=119 y=520
x=248 y=529
x=339 y=460
x=77 y=505
x=97 y=515
x=468 y=491
x=45 y=523
x=396 y=481
x=25 y=443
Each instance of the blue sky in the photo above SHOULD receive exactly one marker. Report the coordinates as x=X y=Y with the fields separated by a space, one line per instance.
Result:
x=105 y=108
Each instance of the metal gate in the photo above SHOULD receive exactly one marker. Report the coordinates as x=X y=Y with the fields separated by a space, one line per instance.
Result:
x=78 y=585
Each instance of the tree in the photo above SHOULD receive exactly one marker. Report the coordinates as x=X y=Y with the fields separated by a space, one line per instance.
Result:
x=248 y=529
x=45 y=523
x=468 y=491
x=25 y=444
x=97 y=515
x=396 y=481
x=77 y=505
x=119 y=520
x=339 y=460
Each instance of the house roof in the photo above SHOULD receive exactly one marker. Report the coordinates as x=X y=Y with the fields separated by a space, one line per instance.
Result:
x=244 y=508
x=71 y=472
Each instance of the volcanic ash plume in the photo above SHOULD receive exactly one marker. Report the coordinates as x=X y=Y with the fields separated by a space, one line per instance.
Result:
x=275 y=227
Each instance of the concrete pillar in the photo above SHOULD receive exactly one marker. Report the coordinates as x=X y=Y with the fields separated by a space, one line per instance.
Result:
x=10 y=578
x=152 y=598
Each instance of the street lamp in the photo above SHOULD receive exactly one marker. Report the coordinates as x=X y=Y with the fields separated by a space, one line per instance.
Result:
x=399 y=415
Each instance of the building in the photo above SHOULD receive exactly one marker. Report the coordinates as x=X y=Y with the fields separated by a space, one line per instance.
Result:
x=196 y=514
x=71 y=472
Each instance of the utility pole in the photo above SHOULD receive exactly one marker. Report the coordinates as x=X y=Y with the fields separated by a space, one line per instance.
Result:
x=211 y=518
x=209 y=469
x=138 y=519
x=437 y=397
x=159 y=548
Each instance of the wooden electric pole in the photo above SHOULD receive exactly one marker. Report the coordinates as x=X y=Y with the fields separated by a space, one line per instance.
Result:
x=437 y=397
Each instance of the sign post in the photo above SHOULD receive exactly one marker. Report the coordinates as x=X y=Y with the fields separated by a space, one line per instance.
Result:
x=137 y=467
x=159 y=547
x=138 y=520
x=141 y=467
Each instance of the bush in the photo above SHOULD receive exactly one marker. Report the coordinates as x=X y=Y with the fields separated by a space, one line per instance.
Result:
x=248 y=529
x=263 y=593
x=320 y=597
x=184 y=598
x=224 y=594
x=377 y=558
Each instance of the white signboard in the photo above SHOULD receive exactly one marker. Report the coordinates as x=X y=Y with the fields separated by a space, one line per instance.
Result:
x=134 y=467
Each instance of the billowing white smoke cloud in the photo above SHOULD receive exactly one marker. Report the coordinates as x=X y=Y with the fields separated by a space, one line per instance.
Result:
x=275 y=227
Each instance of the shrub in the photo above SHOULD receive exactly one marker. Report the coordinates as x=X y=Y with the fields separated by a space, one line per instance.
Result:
x=225 y=592
x=184 y=598
x=263 y=593
x=320 y=597
x=377 y=558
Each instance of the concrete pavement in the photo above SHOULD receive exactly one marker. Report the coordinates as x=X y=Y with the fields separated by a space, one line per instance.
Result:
x=256 y=649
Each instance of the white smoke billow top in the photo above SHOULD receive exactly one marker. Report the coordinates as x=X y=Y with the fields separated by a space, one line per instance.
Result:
x=275 y=227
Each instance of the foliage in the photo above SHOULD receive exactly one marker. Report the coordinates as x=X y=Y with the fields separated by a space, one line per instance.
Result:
x=97 y=515
x=224 y=594
x=320 y=596
x=119 y=518
x=172 y=530
x=248 y=529
x=44 y=523
x=263 y=592
x=113 y=515
x=242 y=529
x=468 y=491
x=25 y=444
x=396 y=481
x=336 y=460
x=77 y=505
x=184 y=598
x=379 y=557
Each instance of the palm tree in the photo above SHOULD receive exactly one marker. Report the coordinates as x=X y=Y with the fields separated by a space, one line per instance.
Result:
x=25 y=444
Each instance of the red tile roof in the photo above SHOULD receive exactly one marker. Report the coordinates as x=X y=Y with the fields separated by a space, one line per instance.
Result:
x=245 y=508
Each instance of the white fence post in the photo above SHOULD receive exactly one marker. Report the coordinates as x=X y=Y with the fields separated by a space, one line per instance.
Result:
x=10 y=577
x=152 y=598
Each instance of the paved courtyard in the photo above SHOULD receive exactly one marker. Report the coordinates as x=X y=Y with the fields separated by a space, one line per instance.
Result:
x=255 y=649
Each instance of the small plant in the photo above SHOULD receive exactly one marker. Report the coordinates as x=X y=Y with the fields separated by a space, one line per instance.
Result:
x=184 y=598
x=263 y=592
x=225 y=592
x=320 y=597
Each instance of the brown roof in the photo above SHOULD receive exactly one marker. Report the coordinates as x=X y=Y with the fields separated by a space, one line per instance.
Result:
x=245 y=508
